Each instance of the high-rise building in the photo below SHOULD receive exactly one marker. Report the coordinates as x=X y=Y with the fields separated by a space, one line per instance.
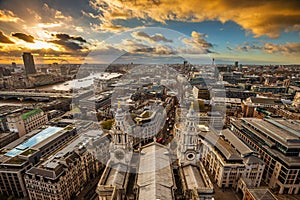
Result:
x=28 y=63
x=236 y=64
x=13 y=66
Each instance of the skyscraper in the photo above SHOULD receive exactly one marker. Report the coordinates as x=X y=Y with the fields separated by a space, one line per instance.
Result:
x=28 y=63
x=236 y=64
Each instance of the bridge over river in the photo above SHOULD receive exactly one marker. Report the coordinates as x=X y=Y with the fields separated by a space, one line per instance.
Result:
x=34 y=95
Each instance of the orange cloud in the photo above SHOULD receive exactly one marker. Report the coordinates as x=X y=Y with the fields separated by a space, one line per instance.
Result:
x=258 y=17
x=286 y=49
x=8 y=16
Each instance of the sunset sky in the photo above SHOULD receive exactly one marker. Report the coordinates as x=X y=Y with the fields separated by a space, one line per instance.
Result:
x=254 y=32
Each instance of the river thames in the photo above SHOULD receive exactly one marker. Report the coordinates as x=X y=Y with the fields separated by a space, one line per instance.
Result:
x=65 y=86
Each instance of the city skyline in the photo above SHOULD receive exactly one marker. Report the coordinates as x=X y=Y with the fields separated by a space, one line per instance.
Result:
x=249 y=32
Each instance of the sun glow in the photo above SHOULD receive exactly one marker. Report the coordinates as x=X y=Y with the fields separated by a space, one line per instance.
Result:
x=41 y=45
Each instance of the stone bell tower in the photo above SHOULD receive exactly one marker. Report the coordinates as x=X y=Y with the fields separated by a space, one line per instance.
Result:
x=121 y=145
x=188 y=139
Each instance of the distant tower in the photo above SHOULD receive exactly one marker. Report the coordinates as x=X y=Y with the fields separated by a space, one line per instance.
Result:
x=236 y=64
x=28 y=63
x=13 y=65
x=213 y=62
x=185 y=63
x=188 y=143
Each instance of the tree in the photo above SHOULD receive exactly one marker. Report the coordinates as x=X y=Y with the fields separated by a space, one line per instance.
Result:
x=107 y=124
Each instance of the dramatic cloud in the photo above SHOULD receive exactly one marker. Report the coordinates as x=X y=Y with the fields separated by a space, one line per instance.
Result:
x=198 y=40
x=49 y=25
x=69 y=43
x=55 y=14
x=152 y=39
x=197 y=43
x=132 y=46
x=8 y=16
x=260 y=18
x=106 y=24
x=247 y=46
x=63 y=36
x=5 y=39
x=22 y=36
x=108 y=27
x=287 y=48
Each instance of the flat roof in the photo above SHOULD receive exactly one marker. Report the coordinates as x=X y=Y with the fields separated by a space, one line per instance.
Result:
x=236 y=142
x=117 y=176
x=41 y=136
x=289 y=160
x=31 y=113
x=262 y=194
x=276 y=130
x=225 y=99
x=224 y=148
x=194 y=179
x=264 y=100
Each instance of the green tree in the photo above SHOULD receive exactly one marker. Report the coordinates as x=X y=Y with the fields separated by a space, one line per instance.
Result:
x=107 y=124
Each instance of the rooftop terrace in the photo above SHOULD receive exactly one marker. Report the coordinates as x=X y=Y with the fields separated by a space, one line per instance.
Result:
x=41 y=136
x=31 y=113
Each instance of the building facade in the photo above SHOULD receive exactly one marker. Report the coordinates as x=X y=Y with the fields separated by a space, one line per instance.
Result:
x=25 y=121
x=18 y=159
x=28 y=63
x=277 y=141
x=67 y=172
x=228 y=159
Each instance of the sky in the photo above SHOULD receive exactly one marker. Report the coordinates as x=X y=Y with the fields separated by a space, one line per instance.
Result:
x=99 y=31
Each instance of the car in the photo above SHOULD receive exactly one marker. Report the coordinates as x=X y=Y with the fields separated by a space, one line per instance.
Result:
x=160 y=140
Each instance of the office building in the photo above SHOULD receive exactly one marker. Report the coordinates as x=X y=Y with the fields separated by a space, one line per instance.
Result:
x=28 y=63
x=250 y=104
x=26 y=120
x=68 y=171
x=277 y=141
x=228 y=159
x=19 y=156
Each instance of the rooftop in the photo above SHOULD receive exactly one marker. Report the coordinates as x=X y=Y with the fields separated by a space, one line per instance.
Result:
x=41 y=136
x=31 y=113
x=28 y=152
x=223 y=147
x=194 y=179
x=263 y=100
x=15 y=160
x=240 y=146
x=116 y=176
x=262 y=194
x=155 y=177
x=278 y=129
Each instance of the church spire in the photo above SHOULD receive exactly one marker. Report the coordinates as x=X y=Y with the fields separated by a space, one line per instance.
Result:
x=119 y=118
